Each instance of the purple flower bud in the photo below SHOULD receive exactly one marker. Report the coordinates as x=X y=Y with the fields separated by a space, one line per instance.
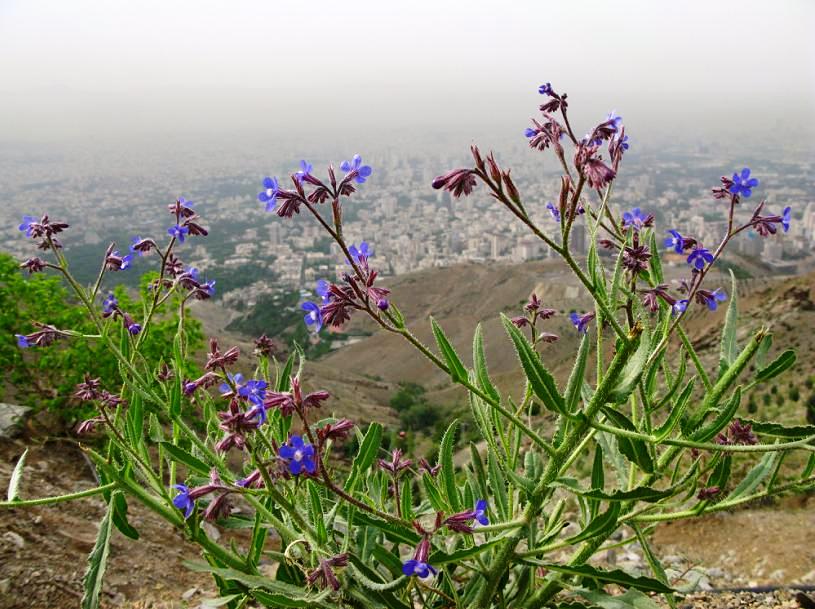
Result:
x=383 y=304
x=36 y=265
x=458 y=181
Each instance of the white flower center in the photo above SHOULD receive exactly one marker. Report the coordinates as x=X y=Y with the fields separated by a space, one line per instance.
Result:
x=298 y=455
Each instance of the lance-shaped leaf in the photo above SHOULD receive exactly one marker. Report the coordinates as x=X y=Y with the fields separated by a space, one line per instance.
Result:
x=365 y=457
x=721 y=420
x=634 y=449
x=627 y=380
x=16 y=477
x=604 y=523
x=780 y=364
x=120 y=521
x=480 y=365
x=182 y=456
x=755 y=476
x=433 y=493
x=655 y=266
x=439 y=558
x=577 y=376
x=630 y=599
x=448 y=474
x=640 y=493
x=458 y=372
x=664 y=430
x=541 y=381
x=728 y=350
x=617 y=576
x=770 y=428
x=97 y=561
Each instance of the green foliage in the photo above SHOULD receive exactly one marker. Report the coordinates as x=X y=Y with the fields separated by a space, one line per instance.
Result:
x=46 y=377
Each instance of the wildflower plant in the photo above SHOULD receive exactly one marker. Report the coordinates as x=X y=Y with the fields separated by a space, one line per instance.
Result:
x=663 y=431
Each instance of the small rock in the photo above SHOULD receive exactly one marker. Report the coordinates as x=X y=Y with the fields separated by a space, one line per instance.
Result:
x=777 y=575
x=716 y=573
x=189 y=594
x=672 y=559
x=211 y=530
x=12 y=419
x=14 y=538
x=809 y=577
x=5 y=585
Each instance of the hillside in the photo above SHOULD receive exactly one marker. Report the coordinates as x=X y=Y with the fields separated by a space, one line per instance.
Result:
x=364 y=375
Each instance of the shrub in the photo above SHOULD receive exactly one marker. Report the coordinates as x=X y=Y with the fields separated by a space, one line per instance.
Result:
x=661 y=434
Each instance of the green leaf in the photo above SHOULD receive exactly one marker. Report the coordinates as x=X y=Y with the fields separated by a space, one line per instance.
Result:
x=631 y=372
x=368 y=450
x=439 y=558
x=154 y=430
x=396 y=314
x=182 y=456
x=598 y=478
x=97 y=561
x=780 y=364
x=640 y=493
x=16 y=477
x=448 y=474
x=721 y=420
x=630 y=599
x=498 y=485
x=317 y=513
x=221 y=600
x=604 y=523
x=406 y=499
x=575 y=382
x=284 y=378
x=458 y=372
x=480 y=365
x=433 y=493
x=769 y=428
x=721 y=473
x=264 y=589
x=119 y=503
x=394 y=532
x=478 y=469
x=617 y=576
x=635 y=450
x=664 y=430
x=763 y=350
x=728 y=350
x=655 y=268
x=755 y=476
x=541 y=381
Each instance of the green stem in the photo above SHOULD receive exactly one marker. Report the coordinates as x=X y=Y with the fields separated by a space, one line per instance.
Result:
x=59 y=498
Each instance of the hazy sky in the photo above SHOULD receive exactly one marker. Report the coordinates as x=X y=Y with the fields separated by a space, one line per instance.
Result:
x=111 y=68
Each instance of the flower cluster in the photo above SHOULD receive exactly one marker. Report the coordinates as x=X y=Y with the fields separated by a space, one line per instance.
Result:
x=534 y=311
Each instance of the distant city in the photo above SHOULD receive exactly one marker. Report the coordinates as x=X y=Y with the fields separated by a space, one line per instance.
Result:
x=251 y=253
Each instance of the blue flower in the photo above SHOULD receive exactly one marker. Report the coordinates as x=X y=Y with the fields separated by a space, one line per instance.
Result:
x=269 y=196
x=209 y=287
x=237 y=380
x=305 y=170
x=699 y=257
x=675 y=242
x=743 y=184
x=481 y=512
x=254 y=391
x=624 y=144
x=313 y=317
x=259 y=411
x=22 y=341
x=636 y=219
x=360 y=255
x=545 y=89
x=418 y=569
x=679 y=306
x=182 y=501
x=712 y=299
x=581 y=322
x=134 y=328
x=179 y=232
x=529 y=132
x=786 y=218
x=355 y=165
x=26 y=225
x=109 y=304
x=323 y=290
x=554 y=211
x=615 y=120
x=299 y=455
